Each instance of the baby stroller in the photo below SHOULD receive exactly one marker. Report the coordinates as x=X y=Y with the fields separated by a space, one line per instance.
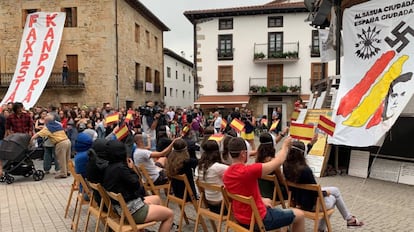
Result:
x=17 y=158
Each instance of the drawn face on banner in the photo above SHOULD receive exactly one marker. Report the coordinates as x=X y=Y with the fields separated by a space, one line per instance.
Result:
x=396 y=92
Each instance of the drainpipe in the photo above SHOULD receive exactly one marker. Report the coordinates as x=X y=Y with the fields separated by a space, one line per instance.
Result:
x=338 y=13
x=196 y=86
x=116 y=56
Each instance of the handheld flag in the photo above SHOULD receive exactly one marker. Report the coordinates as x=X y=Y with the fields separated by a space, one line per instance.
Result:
x=216 y=137
x=237 y=125
x=301 y=131
x=223 y=123
x=186 y=129
x=129 y=116
x=274 y=125
x=122 y=132
x=112 y=118
x=326 y=125
x=264 y=122
x=295 y=115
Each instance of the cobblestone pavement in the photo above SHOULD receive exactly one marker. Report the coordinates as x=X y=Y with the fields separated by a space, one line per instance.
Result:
x=27 y=205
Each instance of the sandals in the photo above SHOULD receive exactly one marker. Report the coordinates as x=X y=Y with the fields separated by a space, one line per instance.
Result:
x=354 y=222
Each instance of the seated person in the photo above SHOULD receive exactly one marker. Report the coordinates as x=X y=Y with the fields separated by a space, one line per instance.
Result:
x=120 y=178
x=145 y=157
x=82 y=145
x=163 y=141
x=296 y=170
x=241 y=179
x=179 y=162
x=210 y=170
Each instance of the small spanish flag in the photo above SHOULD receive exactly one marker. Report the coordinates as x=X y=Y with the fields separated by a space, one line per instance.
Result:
x=216 y=137
x=129 y=116
x=237 y=125
x=122 y=132
x=186 y=129
x=112 y=118
x=295 y=115
x=274 y=125
x=326 y=125
x=264 y=122
x=223 y=123
x=301 y=131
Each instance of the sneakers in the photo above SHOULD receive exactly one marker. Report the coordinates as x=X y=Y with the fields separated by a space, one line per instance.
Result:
x=60 y=176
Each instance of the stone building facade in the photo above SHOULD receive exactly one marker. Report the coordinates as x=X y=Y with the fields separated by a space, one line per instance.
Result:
x=101 y=38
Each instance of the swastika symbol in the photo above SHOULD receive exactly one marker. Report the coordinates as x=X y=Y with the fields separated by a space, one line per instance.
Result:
x=400 y=36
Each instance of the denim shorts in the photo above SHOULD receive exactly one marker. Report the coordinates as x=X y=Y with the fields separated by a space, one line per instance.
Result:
x=276 y=218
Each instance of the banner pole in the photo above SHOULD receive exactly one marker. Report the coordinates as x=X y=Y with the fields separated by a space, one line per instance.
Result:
x=338 y=12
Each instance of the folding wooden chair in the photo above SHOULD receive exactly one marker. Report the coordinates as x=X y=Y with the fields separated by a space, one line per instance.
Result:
x=231 y=222
x=277 y=192
x=321 y=212
x=80 y=200
x=149 y=183
x=183 y=201
x=203 y=209
x=99 y=211
x=74 y=187
x=118 y=224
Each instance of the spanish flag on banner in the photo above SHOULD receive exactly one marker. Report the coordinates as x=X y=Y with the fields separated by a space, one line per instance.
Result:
x=326 y=125
x=122 y=132
x=295 y=115
x=129 y=116
x=274 y=125
x=112 y=118
x=301 y=131
x=223 y=123
x=216 y=137
x=237 y=125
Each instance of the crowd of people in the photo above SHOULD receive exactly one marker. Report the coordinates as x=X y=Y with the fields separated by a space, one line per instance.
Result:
x=165 y=142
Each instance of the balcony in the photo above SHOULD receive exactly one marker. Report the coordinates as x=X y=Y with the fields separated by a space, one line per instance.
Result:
x=225 y=86
x=261 y=86
x=139 y=84
x=225 y=54
x=288 y=53
x=75 y=81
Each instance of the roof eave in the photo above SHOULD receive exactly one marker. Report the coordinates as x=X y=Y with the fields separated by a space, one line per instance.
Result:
x=141 y=8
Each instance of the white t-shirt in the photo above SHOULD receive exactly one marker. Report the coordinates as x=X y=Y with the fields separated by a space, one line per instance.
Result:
x=143 y=156
x=214 y=176
x=217 y=123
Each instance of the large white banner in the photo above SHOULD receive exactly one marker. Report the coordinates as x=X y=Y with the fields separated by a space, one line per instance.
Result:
x=377 y=78
x=38 y=49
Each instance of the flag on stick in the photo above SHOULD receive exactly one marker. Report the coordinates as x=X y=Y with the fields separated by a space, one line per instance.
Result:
x=326 y=125
x=237 y=125
x=112 y=118
x=186 y=129
x=122 y=132
x=274 y=125
x=129 y=116
x=301 y=131
x=295 y=115
x=216 y=137
x=223 y=123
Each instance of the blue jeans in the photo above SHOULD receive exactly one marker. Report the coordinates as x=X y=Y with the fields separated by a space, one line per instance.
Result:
x=48 y=156
x=64 y=77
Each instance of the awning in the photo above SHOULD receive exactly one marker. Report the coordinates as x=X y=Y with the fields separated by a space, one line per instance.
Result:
x=222 y=101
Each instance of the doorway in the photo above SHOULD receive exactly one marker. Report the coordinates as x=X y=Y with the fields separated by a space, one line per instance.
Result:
x=72 y=61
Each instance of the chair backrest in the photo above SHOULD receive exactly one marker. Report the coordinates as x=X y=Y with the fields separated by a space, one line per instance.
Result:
x=277 y=193
x=105 y=201
x=141 y=182
x=71 y=167
x=148 y=181
x=255 y=217
x=187 y=187
x=126 y=215
x=85 y=187
x=202 y=187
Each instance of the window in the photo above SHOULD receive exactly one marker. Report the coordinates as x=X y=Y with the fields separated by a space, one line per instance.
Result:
x=315 y=44
x=275 y=21
x=139 y=84
x=165 y=91
x=148 y=81
x=147 y=35
x=168 y=72
x=189 y=79
x=225 y=78
x=183 y=93
x=274 y=75
x=73 y=75
x=176 y=93
x=225 y=24
x=137 y=33
x=157 y=82
x=156 y=43
x=137 y=66
x=225 y=47
x=318 y=72
x=25 y=13
x=171 y=92
x=183 y=76
x=71 y=16
x=176 y=74
x=275 y=45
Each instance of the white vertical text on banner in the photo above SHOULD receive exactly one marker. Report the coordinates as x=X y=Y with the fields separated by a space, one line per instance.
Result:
x=38 y=49
x=377 y=78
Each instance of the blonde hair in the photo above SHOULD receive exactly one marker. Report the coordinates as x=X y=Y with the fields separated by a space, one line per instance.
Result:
x=175 y=161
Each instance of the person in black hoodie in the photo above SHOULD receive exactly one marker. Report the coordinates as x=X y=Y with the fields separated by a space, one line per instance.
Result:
x=119 y=178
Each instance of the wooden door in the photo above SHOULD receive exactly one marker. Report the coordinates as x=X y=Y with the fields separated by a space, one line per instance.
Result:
x=72 y=61
x=274 y=75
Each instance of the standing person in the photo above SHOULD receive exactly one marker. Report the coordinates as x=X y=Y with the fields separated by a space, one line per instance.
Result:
x=49 y=156
x=241 y=179
x=250 y=123
x=217 y=122
x=54 y=131
x=279 y=117
x=2 y=127
x=19 y=121
x=107 y=110
x=65 y=72
x=297 y=170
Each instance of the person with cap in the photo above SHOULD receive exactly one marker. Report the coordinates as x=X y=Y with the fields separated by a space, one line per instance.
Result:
x=120 y=178
x=241 y=179
x=55 y=132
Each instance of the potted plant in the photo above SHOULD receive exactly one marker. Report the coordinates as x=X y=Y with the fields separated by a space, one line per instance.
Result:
x=294 y=88
x=254 y=88
x=273 y=89
x=259 y=56
x=283 y=88
x=263 y=89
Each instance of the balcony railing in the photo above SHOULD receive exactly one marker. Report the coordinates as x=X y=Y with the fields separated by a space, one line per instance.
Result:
x=225 y=54
x=75 y=80
x=225 y=86
x=288 y=85
x=139 y=84
x=288 y=53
